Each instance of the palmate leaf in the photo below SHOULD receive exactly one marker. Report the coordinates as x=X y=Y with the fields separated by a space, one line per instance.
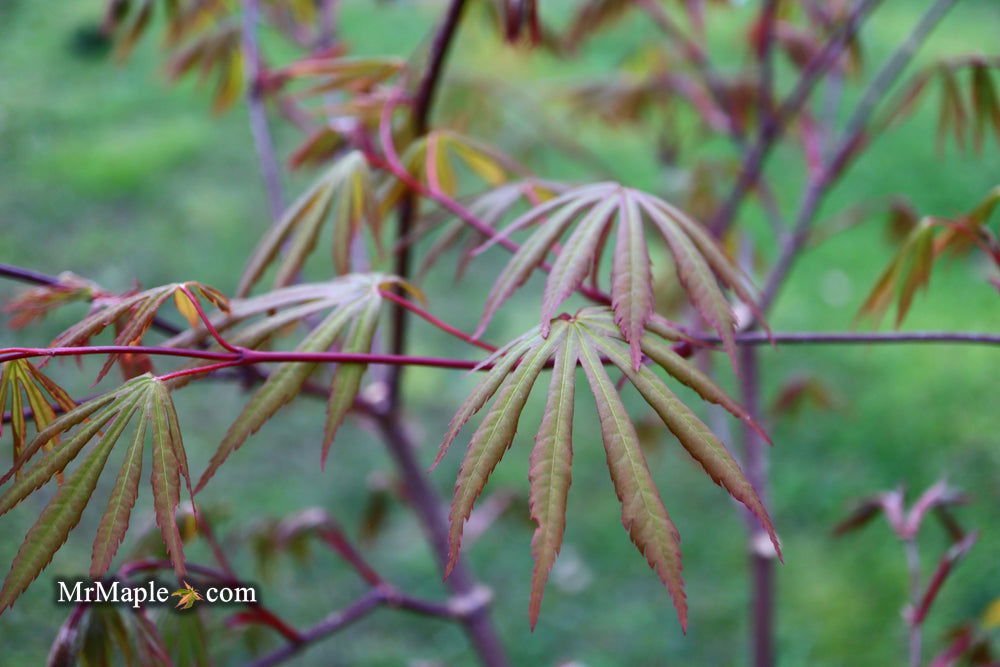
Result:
x=700 y=263
x=592 y=338
x=356 y=301
x=133 y=314
x=346 y=189
x=144 y=399
x=643 y=514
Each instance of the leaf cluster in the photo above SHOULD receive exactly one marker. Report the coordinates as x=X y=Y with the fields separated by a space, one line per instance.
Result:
x=592 y=339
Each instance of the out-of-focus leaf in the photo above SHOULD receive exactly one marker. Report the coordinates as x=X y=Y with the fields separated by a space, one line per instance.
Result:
x=355 y=299
x=35 y=302
x=909 y=270
x=431 y=160
x=346 y=189
x=700 y=263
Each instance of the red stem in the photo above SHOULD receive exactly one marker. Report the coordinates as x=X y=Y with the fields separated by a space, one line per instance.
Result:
x=208 y=323
x=409 y=305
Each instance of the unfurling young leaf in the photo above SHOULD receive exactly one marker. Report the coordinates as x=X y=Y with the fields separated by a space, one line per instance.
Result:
x=132 y=315
x=592 y=338
x=700 y=263
x=144 y=398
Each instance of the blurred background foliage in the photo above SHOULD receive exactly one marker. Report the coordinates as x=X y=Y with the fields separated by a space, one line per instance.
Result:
x=107 y=171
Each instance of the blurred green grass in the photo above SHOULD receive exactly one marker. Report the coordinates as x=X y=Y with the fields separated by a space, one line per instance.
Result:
x=110 y=173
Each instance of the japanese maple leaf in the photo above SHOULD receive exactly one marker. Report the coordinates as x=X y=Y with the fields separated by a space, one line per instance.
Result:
x=188 y=596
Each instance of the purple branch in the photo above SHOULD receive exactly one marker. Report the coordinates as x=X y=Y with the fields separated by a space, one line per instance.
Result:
x=262 y=139
x=776 y=124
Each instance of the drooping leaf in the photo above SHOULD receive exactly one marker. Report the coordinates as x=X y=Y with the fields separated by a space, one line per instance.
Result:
x=165 y=479
x=503 y=361
x=495 y=434
x=355 y=301
x=22 y=380
x=114 y=523
x=549 y=473
x=643 y=514
x=280 y=388
x=144 y=399
x=695 y=437
x=593 y=338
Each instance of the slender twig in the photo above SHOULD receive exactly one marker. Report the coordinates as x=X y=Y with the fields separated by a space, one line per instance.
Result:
x=207 y=321
x=263 y=142
x=247 y=356
x=444 y=326
x=765 y=56
x=267 y=616
x=473 y=598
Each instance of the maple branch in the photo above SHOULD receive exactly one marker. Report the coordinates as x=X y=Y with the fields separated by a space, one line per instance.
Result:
x=765 y=54
x=472 y=598
x=247 y=357
x=379 y=596
x=775 y=124
x=263 y=142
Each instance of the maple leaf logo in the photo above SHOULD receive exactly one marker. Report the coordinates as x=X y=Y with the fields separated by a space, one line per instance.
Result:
x=188 y=596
